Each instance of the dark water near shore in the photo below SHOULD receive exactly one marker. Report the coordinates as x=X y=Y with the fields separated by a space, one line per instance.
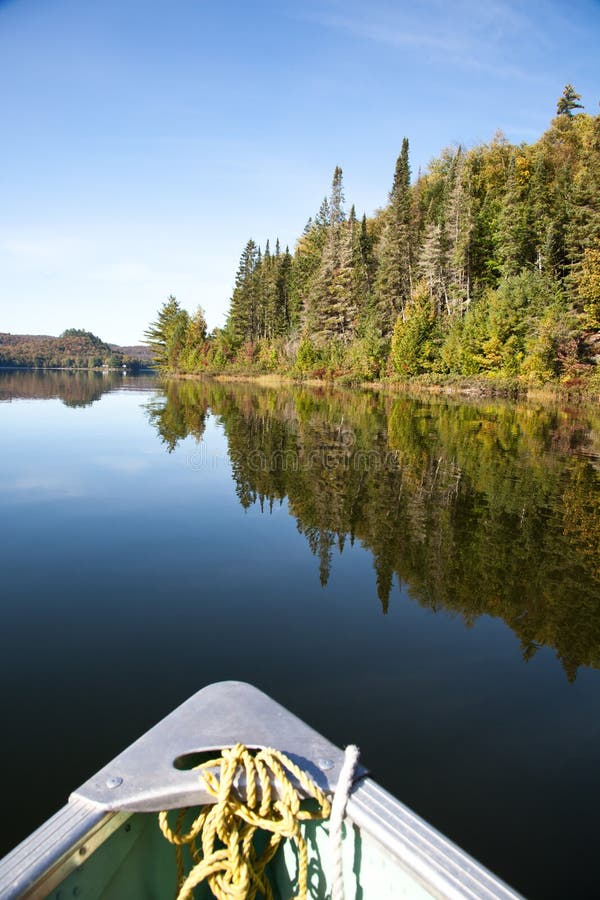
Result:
x=420 y=578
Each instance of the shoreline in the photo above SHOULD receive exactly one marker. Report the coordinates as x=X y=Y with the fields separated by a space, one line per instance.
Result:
x=467 y=388
x=577 y=392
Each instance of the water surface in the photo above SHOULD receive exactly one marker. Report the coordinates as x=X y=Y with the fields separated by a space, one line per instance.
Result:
x=421 y=578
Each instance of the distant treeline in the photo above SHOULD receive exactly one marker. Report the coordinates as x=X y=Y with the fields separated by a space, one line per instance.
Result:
x=487 y=264
x=75 y=348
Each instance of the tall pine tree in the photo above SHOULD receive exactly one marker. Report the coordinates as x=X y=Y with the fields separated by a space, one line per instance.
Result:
x=243 y=313
x=331 y=310
x=393 y=283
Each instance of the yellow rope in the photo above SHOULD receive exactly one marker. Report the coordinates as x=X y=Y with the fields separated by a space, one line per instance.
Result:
x=227 y=857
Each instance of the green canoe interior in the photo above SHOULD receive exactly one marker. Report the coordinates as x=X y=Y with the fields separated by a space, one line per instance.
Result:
x=137 y=863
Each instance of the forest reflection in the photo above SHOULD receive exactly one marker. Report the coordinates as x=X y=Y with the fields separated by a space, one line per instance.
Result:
x=477 y=508
x=76 y=389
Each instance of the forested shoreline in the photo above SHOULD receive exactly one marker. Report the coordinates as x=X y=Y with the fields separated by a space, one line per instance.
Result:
x=75 y=348
x=487 y=265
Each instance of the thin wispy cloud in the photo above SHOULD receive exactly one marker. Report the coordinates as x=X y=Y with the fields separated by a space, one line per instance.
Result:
x=467 y=35
x=384 y=34
x=498 y=70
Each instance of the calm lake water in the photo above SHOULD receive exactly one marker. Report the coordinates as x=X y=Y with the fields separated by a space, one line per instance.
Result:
x=420 y=578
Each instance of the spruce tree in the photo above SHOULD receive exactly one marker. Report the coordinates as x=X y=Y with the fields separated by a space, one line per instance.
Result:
x=331 y=310
x=336 y=203
x=367 y=253
x=283 y=279
x=243 y=313
x=392 y=287
x=323 y=217
x=268 y=295
x=306 y=262
x=360 y=286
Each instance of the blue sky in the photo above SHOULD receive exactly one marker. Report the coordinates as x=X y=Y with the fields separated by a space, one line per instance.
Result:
x=144 y=142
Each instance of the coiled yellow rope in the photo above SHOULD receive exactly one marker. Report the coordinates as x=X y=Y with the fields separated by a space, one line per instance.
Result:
x=227 y=858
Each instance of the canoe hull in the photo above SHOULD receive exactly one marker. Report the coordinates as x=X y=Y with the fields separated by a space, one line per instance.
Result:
x=101 y=847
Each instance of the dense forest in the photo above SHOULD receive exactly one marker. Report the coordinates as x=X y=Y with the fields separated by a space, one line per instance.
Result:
x=486 y=264
x=477 y=509
x=75 y=349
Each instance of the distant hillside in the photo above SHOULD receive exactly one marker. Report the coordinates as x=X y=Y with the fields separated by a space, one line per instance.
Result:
x=74 y=348
x=138 y=351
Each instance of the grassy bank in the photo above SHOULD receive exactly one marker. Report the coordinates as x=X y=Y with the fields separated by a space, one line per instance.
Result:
x=573 y=391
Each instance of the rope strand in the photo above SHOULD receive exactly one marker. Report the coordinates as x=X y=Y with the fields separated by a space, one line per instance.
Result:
x=228 y=859
x=338 y=809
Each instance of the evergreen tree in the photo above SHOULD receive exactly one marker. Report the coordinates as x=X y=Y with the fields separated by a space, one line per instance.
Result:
x=259 y=301
x=306 y=262
x=269 y=299
x=413 y=347
x=336 y=203
x=360 y=287
x=392 y=287
x=367 y=253
x=516 y=235
x=459 y=229
x=331 y=309
x=166 y=336
x=568 y=102
x=542 y=202
x=283 y=280
x=323 y=217
x=243 y=313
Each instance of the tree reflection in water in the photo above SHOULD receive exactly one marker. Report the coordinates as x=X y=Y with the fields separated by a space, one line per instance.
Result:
x=75 y=389
x=478 y=508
